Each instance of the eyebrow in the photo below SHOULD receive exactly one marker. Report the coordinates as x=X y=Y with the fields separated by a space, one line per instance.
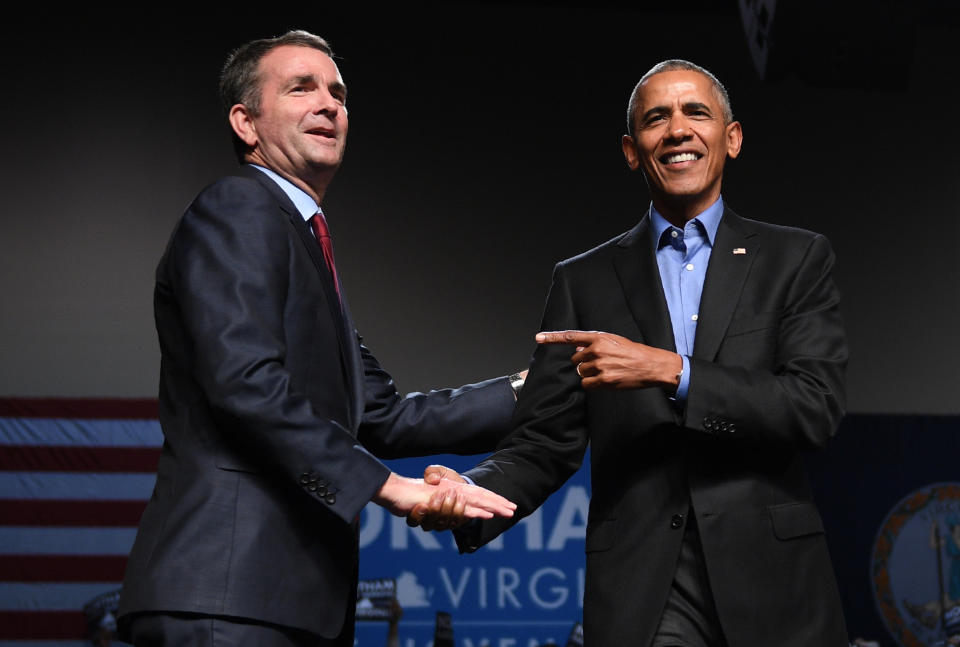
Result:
x=691 y=106
x=696 y=105
x=304 y=79
x=307 y=79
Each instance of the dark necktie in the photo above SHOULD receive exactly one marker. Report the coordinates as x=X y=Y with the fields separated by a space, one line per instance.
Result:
x=319 y=225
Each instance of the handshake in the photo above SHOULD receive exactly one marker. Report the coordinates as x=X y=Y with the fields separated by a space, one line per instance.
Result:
x=441 y=499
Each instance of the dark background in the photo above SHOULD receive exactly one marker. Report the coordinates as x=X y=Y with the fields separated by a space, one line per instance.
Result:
x=484 y=147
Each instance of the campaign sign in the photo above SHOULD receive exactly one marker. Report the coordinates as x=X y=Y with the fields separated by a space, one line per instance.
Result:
x=524 y=589
x=375 y=599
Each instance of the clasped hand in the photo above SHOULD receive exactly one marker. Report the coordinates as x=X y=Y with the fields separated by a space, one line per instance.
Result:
x=442 y=511
x=458 y=500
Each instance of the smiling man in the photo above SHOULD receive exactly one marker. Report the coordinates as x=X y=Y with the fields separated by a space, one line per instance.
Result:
x=271 y=408
x=716 y=357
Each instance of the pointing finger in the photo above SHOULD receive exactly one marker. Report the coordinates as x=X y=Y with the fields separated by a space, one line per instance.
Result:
x=579 y=337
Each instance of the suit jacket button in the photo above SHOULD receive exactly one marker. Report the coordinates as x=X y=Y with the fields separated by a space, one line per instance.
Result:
x=676 y=521
x=322 y=490
x=732 y=428
x=330 y=499
x=724 y=426
x=304 y=478
x=312 y=487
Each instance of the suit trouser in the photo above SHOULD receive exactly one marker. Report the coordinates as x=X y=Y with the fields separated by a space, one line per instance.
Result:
x=690 y=618
x=190 y=630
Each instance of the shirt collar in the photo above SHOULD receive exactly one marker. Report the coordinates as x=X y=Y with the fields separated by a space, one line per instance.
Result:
x=709 y=218
x=300 y=199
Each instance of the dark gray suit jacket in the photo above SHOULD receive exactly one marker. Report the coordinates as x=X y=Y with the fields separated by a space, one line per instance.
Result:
x=767 y=384
x=271 y=410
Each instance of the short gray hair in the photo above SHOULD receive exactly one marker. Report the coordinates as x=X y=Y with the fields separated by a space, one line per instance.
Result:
x=674 y=65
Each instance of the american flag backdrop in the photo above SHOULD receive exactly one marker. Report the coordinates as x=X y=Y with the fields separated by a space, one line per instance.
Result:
x=75 y=476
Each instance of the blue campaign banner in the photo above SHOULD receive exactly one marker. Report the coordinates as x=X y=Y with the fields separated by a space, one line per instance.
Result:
x=524 y=589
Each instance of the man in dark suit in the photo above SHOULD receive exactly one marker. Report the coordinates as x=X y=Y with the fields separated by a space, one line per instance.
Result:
x=271 y=408
x=721 y=360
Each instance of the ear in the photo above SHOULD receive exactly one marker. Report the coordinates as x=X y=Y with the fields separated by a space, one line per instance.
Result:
x=734 y=139
x=242 y=123
x=630 y=152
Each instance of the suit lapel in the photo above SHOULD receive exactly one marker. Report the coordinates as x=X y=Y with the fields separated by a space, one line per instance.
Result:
x=354 y=367
x=636 y=266
x=734 y=252
x=346 y=337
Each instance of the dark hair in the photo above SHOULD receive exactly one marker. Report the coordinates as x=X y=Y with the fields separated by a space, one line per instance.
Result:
x=674 y=65
x=240 y=77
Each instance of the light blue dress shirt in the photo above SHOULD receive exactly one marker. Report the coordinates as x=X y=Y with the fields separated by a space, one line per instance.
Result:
x=300 y=198
x=683 y=256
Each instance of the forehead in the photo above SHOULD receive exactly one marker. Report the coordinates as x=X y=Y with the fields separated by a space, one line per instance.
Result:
x=289 y=61
x=676 y=87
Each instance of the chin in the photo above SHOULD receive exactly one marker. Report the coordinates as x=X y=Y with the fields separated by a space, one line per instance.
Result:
x=326 y=161
x=687 y=190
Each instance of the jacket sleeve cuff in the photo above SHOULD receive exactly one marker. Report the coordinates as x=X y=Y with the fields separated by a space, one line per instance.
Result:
x=346 y=499
x=684 y=387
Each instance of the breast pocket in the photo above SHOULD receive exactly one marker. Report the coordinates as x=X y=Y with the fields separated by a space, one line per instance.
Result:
x=792 y=520
x=235 y=464
x=750 y=342
x=761 y=322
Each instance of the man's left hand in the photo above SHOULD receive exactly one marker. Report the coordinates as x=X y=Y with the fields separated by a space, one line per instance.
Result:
x=608 y=361
x=441 y=512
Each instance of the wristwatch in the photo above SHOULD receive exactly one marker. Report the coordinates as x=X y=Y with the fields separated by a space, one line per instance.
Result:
x=516 y=383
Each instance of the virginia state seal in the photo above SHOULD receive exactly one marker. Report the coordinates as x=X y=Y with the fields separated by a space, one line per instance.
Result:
x=916 y=567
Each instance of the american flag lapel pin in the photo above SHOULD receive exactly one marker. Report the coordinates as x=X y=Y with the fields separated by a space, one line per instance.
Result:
x=739 y=250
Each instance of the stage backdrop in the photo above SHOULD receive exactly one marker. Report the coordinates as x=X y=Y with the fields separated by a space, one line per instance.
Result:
x=76 y=474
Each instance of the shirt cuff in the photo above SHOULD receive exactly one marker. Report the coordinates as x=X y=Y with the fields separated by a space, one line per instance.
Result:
x=684 y=386
x=467 y=479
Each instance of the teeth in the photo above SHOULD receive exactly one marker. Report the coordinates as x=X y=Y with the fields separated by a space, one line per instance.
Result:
x=681 y=157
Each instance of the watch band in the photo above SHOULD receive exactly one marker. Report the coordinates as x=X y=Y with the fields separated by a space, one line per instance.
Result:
x=516 y=382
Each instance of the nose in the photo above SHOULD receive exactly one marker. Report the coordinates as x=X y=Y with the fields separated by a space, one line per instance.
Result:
x=325 y=102
x=678 y=129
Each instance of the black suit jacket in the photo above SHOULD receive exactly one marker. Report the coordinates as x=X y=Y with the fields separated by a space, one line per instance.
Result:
x=271 y=410
x=767 y=383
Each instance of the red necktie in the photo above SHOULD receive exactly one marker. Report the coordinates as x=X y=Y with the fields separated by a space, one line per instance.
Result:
x=320 y=230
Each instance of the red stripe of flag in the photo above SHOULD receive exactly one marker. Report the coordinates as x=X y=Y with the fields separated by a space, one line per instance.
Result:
x=83 y=408
x=42 y=625
x=68 y=512
x=62 y=568
x=49 y=458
